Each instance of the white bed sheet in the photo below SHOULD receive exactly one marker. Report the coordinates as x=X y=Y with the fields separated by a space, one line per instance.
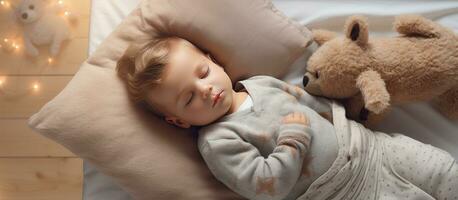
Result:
x=419 y=121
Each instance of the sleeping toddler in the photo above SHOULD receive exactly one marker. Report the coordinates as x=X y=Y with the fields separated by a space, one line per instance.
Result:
x=266 y=139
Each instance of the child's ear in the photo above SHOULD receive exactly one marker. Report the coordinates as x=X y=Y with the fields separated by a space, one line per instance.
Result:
x=177 y=122
x=356 y=29
x=125 y=66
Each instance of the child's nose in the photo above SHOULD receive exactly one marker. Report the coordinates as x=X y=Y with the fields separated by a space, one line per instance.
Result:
x=206 y=91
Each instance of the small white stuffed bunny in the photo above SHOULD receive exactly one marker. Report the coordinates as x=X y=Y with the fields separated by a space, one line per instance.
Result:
x=42 y=26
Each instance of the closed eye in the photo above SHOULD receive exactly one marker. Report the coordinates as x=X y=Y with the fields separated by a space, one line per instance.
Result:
x=206 y=73
x=190 y=99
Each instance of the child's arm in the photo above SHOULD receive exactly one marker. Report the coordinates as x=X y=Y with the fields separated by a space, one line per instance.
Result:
x=241 y=167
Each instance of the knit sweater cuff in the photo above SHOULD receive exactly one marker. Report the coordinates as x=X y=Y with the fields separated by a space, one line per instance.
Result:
x=297 y=132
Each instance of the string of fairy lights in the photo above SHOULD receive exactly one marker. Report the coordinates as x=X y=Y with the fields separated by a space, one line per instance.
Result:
x=13 y=46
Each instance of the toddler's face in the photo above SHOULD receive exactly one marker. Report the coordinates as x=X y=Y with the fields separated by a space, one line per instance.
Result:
x=194 y=90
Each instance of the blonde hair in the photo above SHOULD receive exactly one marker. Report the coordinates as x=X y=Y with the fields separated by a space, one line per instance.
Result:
x=141 y=68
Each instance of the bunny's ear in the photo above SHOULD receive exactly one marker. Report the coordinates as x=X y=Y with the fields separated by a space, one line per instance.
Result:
x=356 y=30
x=321 y=36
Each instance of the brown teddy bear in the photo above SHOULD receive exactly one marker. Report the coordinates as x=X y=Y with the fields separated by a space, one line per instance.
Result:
x=420 y=64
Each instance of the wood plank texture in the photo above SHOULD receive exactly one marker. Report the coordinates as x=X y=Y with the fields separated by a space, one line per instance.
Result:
x=68 y=61
x=21 y=100
x=32 y=166
x=40 y=179
x=18 y=140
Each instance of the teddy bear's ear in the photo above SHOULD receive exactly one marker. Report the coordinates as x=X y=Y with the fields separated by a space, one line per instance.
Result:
x=356 y=29
x=321 y=36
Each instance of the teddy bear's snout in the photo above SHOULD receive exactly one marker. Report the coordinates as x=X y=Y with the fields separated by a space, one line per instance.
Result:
x=24 y=15
x=310 y=83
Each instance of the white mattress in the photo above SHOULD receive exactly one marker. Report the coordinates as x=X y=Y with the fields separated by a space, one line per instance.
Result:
x=418 y=121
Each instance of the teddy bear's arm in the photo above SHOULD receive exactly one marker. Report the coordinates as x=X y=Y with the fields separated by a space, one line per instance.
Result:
x=55 y=45
x=355 y=110
x=416 y=25
x=29 y=47
x=60 y=36
x=372 y=87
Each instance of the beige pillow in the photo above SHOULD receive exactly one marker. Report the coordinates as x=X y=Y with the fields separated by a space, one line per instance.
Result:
x=94 y=119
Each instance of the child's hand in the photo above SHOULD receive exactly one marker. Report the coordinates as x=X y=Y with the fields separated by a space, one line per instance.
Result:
x=297 y=117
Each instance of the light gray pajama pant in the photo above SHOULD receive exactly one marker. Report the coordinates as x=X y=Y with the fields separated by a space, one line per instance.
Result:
x=375 y=165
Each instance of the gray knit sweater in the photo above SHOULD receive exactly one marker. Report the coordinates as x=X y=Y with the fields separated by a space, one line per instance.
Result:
x=252 y=152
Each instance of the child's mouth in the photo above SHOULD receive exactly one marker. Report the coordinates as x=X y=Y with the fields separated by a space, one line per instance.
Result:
x=217 y=98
